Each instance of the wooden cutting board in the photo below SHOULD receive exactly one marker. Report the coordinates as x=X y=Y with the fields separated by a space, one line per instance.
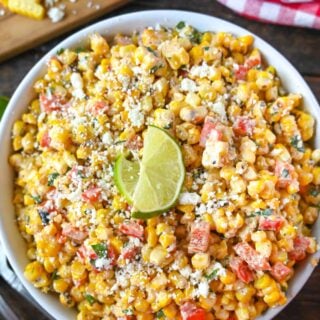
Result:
x=19 y=33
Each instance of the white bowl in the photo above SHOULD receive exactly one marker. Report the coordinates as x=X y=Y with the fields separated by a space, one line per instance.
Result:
x=10 y=237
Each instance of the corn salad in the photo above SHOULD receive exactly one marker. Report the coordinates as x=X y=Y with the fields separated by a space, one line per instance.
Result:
x=251 y=193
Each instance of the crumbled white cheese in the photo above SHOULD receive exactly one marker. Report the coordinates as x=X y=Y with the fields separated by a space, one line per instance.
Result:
x=220 y=109
x=221 y=271
x=188 y=85
x=102 y=263
x=107 y=138
x=189 y=198
x=136 y=117
x=202 y=290
x=55 y=14
x=77 y=84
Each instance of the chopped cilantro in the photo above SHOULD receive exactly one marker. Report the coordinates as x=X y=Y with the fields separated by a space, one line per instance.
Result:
x=37 y=199
x=263 y=213
x=180 y=25
x=297 y=143
x=151 y=50
x=100 y=249
x=60 y=51
x=79 y=49
x=90 y=298
x=314 y=192
x=285 y=173
x=51 y=178
x=160 y=314
x=120 y=141
x=54 y=275
x=168 y=126
x=206 y=48
x=196 y=36
x=44 y=217
x=128 y=312
x=212 y=275
x=155 y=68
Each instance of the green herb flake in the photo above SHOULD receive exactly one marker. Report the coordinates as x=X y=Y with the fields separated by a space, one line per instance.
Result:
x=206 y=48
x=155 y=68
x=51 y=178
x=212 y=275
x=285 y=173
x=37 y=199
x=79 y=49
x=160 y=314
x=297 y=143
x=314 y=192
x=196 y=36
x=54 y=275
x=128 y=312
x=180 y=25
x=90 y=298
x=60 y=51
x=151 y=50
x=100 y=249
x=262 y=213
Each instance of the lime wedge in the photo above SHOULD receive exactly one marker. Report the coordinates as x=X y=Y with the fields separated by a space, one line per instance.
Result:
x=126 y=174
x=159 y=176
x=3 y=103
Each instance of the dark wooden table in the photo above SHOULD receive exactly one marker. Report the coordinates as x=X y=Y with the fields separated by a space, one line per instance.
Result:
x=300 y=46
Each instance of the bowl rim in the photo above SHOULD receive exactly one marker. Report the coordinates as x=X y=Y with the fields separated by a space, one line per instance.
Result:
x=82 y=35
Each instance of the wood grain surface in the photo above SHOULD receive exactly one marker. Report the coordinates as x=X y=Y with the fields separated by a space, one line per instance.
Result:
x=300 y=46
x=18 y=33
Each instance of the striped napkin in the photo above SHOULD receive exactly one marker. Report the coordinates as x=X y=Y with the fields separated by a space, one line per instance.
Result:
x=299 y=13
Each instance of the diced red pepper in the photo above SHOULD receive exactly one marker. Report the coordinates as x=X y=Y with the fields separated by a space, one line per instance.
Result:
x=189 y=311
x=241 y=72
x=133 y=229
x=199 y=237
x=129 y=252
x=74 y=233
x=243 y=125
x=210 y=130
x=241 y=269
x=254 y=259
x=271 y=224
x=254 y=59
x=300 y=246
x=285 y=173
x=45 y=140
x=99 y=107
x=51 y=103
x=91 y=195
x=280 y=271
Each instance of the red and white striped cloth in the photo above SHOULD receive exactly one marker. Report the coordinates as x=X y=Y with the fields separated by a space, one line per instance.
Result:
x=300 y=13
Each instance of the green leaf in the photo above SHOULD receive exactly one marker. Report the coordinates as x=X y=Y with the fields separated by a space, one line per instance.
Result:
x=100 y=249
x=180 y=25
x=314 y=192
x=51 y=178
x=60 y=51
x=263 y=213
x=90 y=298
x=212 y=275
x=297 y=143
x=128 y=312
x=3 y=104
x=37 y=199
x=160 y=314
x=54 y=275
x=155 y=68
x=79 y=49
x=196 y=36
